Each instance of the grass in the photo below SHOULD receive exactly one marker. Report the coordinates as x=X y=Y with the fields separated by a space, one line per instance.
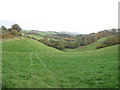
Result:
x=89 y=47
x=43 y=33
x=41 y=37
x=0 y=64
x=30 y=64
x=36 y=36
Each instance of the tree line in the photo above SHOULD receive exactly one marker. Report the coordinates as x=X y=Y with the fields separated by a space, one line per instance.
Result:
x=58 y=44
x=93 y=37
x=109 y=41
x=82 y=40
x=10 y=32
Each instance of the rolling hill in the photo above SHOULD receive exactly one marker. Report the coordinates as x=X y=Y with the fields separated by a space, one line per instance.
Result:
x=28 y=63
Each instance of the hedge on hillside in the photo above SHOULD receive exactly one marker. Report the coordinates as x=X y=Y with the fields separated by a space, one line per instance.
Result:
x=113 y=40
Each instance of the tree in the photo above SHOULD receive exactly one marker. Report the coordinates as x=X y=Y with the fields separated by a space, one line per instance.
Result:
x=61 y=45
x=45 y=40
x=16 y=27
x=3 y=28
x=9 y=29
x=113 y=31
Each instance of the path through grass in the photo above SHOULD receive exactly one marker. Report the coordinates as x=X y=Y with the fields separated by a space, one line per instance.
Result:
x=28 y=63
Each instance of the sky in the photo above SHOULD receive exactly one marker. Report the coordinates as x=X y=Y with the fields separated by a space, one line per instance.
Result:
x=83 y=16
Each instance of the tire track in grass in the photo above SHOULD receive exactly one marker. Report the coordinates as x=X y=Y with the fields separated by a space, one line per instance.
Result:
x=31 y=61
x=44 y=65
x=31 y=64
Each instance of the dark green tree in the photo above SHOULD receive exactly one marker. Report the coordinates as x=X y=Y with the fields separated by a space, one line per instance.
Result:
x=16 y=27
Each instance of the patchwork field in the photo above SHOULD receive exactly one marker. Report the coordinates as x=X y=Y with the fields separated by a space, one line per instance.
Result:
x=30 y=64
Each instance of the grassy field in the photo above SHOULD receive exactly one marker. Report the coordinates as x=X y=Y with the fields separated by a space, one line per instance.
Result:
x=41 y=37
x=43 y=33
x=30 y=64
x=36 y=36
x=0 y=63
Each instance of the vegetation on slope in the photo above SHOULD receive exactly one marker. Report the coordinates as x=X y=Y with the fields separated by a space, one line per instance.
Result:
x=109 y=41
x=31 y=64
x=28 y=63
x=68 y=41
x=10 y=32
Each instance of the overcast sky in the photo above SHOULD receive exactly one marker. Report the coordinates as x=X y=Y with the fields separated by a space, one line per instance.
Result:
x=83 y=16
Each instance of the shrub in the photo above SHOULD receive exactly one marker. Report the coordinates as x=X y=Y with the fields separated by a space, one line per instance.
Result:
x=7 y=35
x=14 y=32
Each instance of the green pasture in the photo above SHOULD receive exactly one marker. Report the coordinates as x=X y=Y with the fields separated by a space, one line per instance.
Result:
x=27 y=63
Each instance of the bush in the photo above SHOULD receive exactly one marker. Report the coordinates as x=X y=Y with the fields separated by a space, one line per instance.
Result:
x=14 y=32
x=7 y=35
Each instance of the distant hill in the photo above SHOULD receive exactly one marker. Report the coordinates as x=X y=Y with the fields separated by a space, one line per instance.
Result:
x=71 y=33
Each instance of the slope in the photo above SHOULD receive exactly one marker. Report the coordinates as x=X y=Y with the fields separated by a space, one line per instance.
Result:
x=28 y=63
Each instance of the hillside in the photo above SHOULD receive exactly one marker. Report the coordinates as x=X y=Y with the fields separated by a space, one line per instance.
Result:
x=88 y=47
x=28 y=63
